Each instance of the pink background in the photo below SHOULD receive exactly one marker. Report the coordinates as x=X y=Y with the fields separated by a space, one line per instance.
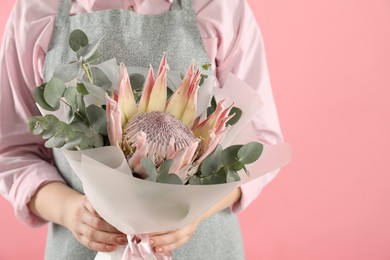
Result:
x=330 y=68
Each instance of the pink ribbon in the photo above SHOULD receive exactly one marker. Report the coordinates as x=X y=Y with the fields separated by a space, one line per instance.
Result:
x=139 y=249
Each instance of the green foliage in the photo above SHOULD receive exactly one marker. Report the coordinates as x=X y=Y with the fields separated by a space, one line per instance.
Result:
x=222 y=166
x=86 y=126
x=77 y=40
x=161 y=176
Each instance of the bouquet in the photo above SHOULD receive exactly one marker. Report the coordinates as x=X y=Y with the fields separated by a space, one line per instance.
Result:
x=132 y=138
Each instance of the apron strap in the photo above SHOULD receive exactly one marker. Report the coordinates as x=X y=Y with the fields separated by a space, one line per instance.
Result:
x=63 y=12
x=181 y=4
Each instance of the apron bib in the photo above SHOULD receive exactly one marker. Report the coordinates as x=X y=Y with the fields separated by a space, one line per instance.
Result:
x=138 y=40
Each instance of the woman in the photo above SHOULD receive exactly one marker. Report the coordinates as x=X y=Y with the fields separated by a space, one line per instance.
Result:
x=136 y=32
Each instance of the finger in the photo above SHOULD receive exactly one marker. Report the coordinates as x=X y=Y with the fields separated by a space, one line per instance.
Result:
x=173 y=246
x=99 y=224
x=89 y=207
x=172 y=237
x=96 y=246
x=95 y=220
x=99 y=236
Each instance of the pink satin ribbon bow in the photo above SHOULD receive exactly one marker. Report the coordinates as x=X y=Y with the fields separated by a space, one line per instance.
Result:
x=139 y=248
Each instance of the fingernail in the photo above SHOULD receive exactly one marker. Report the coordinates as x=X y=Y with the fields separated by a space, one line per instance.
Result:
x=159 y=250
x=110 y=248
x=121 y=240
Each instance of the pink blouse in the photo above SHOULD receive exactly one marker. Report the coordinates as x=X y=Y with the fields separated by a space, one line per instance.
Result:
x=232 y=40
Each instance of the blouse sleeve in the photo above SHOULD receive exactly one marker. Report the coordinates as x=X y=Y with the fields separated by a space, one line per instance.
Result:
x=25 y=164
x=239 y=49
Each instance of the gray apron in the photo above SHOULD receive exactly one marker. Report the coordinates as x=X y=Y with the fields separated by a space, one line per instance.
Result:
x=139 y=40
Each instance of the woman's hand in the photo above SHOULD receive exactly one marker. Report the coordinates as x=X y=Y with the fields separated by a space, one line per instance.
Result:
x=168 y=241
x=58 y=203
x=90 y=229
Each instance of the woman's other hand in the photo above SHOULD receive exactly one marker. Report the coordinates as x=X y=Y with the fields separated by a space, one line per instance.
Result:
x=168 y=241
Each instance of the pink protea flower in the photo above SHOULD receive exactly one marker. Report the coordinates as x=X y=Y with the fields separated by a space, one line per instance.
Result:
x=161 y=129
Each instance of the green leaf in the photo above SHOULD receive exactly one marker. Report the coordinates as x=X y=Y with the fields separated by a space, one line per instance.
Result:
x=216 y=178
x=195 y=180
x=212 y=107
x=232 y=176
x=81 y=105
x=95 y=58
x=229 y=154
x=39 y=98
x=230 y=158
x=53 y=91
x=70 y=96
x=237 y=115
x=100 y=78
x=74 y=141
x=250 y=152
x=98 y=140
x=150 y=169
x=80 y=126
x=97 y=118
x=137 y=81
x=67 y=72
x=77 y=40
x=206 y=66
x=63 y=133
x=81 y=89
x=95 y=91
x=37 y=124
x=212 y=163
x=165 y=166
x=88 y=51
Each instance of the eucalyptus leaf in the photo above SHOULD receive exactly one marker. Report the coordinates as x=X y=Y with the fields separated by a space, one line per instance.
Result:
x=229 y=154
x=38 y=124
x=100 y=79
x=81 y=106
x=232 y=176
x=63 y=134
x=164 y=167
x=54 y=90
x=137 y=81
x=212 y=163
x=195 y=180
x=68 y=72
x=95 y=91
x=237 y=115
x=77 y=40
x=80 y=126
x=216 y=178
x=230 y=158
x=97 y=118
x=98 y=140
x=212 y=107
x=39 y=98
x=250 y=152
x=74 y=141
x=206 y=66
x=81 y=89
x=169 y=178
x=87 y=141
x=110 y=69
x=70 y=96
x=88 y=51
x=150 y=169
x=95 y=58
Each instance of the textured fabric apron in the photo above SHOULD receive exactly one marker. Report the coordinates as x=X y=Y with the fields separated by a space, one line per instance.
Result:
x=139 y=40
